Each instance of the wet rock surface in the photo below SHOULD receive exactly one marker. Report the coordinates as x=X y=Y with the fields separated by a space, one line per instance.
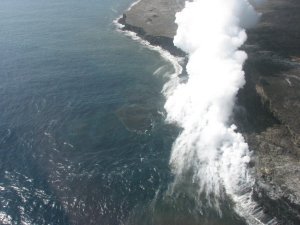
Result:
x=268 y=107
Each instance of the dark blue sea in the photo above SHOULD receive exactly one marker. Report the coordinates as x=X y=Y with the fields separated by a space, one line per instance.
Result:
x=83 y=138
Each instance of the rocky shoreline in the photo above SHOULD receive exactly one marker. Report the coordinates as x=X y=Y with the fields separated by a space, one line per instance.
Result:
x=153 y=21
x=268 y=108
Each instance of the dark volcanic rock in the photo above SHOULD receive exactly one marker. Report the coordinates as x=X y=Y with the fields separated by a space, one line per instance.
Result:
x=154 y=21
x=274 y=50
x=277 y=173
x=156 y=17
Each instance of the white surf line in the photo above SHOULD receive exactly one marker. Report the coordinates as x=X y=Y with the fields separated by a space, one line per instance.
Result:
x=174 y=60
x=133 y=4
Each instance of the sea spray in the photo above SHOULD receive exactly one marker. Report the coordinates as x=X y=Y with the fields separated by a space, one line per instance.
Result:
x=218 y=156
x=209 y=149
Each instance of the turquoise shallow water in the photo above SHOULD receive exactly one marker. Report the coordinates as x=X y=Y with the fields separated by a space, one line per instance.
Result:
x=81 y=139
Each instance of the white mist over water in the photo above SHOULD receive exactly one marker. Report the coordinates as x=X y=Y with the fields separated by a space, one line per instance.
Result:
x=209 y=147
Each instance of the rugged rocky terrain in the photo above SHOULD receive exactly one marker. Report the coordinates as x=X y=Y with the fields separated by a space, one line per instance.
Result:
x=154 y=21
x=275 y=75
x=268 y=108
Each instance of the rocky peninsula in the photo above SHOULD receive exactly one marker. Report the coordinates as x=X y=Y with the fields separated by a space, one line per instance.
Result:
x=268 y=107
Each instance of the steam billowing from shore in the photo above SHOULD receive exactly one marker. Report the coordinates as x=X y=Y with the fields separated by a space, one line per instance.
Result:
x=209 y=148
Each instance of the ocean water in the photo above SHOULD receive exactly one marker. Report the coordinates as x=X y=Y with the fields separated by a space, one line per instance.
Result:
x=83 y=137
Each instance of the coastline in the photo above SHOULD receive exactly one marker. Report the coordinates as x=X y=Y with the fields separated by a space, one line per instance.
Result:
x=175 y=60
x=178 y=61
x=146 y=29
x=267 y=191
x=245 y=207
x=164 y=42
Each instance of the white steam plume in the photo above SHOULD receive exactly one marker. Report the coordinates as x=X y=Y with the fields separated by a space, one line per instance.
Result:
x=211 y=32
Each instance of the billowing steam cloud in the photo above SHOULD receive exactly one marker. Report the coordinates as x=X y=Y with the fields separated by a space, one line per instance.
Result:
x=211 y=32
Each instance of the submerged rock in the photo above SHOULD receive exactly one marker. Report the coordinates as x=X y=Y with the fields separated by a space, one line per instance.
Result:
x=136 y=118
